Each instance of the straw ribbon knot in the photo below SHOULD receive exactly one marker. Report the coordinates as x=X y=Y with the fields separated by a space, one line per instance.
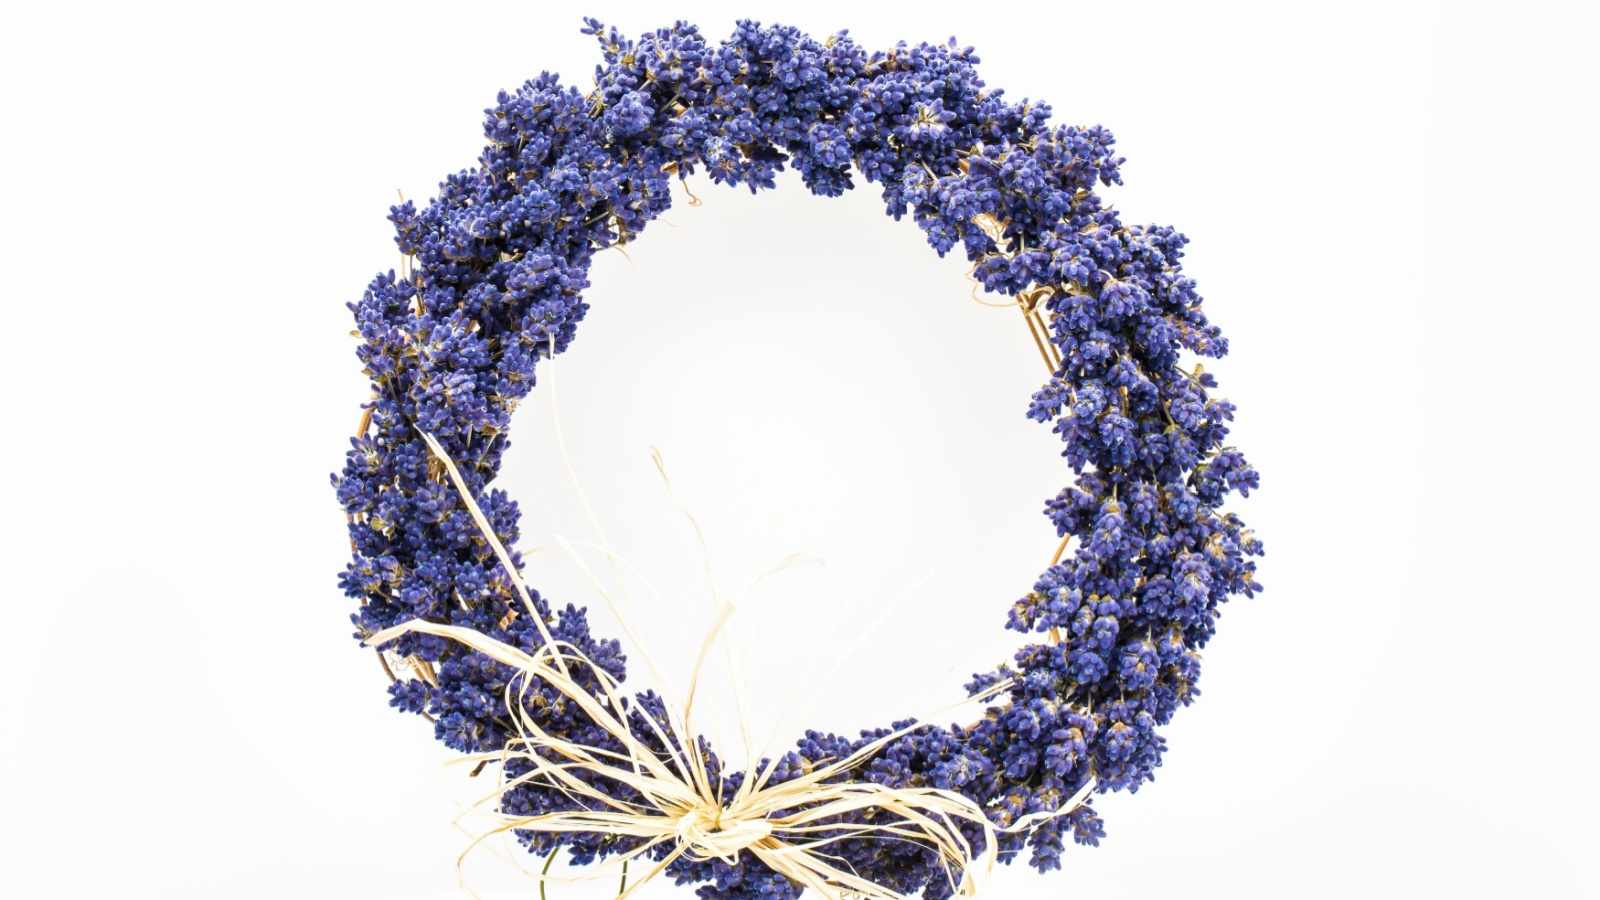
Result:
x=707 y=834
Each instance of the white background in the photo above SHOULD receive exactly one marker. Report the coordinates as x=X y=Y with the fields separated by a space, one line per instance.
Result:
x=1392 y=214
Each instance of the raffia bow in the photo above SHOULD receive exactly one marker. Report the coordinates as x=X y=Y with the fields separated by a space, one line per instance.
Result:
x=673 y=796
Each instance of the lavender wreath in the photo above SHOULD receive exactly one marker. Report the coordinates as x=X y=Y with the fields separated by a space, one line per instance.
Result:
x=497 y=264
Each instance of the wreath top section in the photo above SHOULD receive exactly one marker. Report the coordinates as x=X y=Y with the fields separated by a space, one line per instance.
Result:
x=501 y=255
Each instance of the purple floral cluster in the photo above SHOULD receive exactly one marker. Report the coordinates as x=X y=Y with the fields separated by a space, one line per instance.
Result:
x=499 y=263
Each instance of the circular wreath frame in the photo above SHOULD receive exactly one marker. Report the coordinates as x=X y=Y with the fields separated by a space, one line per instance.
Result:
x=497 y=262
